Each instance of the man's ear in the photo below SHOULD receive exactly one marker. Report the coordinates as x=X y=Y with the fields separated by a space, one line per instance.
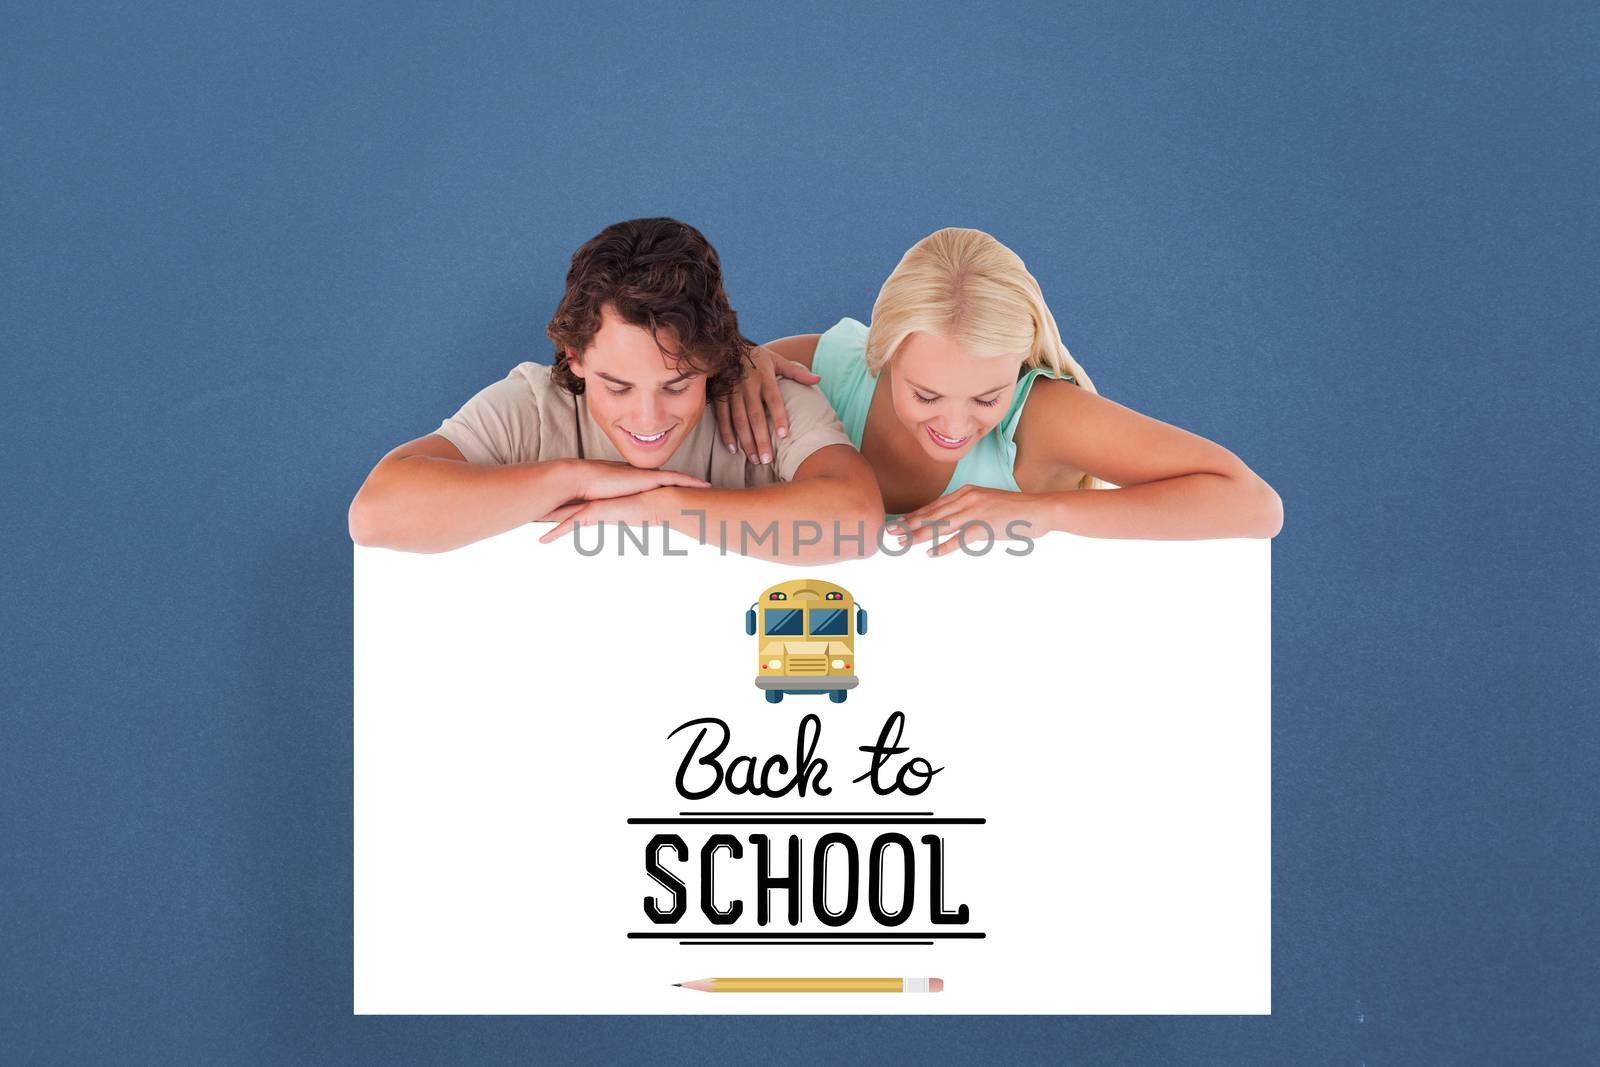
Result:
x=573 y=363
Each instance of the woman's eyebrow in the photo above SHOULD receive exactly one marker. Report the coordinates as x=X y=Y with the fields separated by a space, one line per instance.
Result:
x=609 y=378
x=934 y=392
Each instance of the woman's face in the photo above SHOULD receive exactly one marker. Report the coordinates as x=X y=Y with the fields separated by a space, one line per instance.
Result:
x=947 y=397
x=643 y=403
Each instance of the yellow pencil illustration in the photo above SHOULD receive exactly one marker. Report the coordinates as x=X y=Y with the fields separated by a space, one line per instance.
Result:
x=815 y=985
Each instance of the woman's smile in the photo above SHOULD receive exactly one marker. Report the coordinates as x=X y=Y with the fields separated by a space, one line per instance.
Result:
x=946 y=442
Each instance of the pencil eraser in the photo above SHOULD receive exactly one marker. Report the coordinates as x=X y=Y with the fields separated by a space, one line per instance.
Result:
x=936 y=985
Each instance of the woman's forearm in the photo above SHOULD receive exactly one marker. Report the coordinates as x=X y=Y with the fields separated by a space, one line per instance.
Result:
x=428 y=504
x=1189 y=507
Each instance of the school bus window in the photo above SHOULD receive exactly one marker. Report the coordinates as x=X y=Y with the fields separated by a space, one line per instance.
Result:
x=829 y=622
x=808 y=636
x=785 y=622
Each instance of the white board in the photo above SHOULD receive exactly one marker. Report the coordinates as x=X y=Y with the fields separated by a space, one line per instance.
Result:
x=1102 y=706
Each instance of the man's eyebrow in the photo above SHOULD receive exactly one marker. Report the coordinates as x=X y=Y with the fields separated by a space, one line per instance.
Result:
x=670 y=381
x=935 y=392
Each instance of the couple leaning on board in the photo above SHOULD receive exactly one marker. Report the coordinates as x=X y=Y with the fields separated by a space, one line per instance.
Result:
x=957 y=406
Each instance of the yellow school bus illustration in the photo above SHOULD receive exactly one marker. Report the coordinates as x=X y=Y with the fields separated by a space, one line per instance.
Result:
x=807 y=639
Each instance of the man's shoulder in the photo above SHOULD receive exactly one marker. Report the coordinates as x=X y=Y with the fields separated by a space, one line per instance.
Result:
x=807 y=399
x=536 y=376
x=536 y=385
x=788 y=389
x=524 y=417
x=813 y=425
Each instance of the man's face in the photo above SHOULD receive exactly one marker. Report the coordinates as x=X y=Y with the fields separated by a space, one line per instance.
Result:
x=642 y=402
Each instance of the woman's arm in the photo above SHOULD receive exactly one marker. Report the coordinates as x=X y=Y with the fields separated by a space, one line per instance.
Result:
x=1173 y=485
x=798 y=348
x=425 y=497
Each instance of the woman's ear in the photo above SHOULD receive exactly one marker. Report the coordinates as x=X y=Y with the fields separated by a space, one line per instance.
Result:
x=573 y=363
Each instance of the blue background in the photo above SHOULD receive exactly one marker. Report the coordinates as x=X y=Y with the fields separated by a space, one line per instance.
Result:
x=247 y=248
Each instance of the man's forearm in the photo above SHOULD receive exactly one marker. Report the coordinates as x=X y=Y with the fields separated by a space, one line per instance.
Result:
x=816 y=520
x=427 y=504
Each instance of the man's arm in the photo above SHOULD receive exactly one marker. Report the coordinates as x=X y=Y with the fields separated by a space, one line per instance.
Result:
x=425 y=497
x=830 y=510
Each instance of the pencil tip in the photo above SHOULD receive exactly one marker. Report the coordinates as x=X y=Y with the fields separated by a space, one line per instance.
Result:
x=678 y=985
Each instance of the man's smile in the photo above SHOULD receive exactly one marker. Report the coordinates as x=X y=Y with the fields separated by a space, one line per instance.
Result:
x=646 y=440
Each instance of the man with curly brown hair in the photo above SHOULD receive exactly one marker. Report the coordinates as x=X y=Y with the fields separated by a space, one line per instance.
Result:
x=620 y=428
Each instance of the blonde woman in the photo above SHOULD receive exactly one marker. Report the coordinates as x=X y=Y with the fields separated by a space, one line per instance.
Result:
x=970 y=410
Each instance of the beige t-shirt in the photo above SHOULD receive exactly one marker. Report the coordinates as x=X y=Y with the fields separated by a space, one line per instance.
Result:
x=527 y=418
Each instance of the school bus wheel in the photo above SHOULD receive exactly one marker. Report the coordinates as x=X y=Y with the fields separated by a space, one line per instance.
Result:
x=774 y=696
x=838 y=695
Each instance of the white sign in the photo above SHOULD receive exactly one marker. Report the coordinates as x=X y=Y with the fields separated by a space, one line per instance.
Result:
x=1050 y=779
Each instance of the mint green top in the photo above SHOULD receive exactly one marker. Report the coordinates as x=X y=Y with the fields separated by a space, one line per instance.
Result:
x=841 y=360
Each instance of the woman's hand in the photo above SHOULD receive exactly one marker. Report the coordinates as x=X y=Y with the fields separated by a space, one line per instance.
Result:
x=995 y=514
x=742 y=415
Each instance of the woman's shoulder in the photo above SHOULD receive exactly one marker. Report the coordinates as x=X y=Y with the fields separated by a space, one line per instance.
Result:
x=840 y=359
x=1043 y=434
x=1041 y=397
x=847 y=327
x=844 y=341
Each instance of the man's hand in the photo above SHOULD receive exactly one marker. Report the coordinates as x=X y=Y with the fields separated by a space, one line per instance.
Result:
x=635 y=510
x=599 y=479
x=742 y=415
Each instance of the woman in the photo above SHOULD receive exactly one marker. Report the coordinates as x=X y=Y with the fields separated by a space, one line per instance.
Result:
x=969 y=409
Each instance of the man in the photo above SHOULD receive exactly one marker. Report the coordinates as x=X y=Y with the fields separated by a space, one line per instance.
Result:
x=619 y=429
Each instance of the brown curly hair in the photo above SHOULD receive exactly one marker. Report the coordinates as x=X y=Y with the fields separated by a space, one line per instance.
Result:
x=657 y=274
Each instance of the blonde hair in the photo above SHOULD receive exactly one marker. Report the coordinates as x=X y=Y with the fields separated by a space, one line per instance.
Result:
x=966 y=286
